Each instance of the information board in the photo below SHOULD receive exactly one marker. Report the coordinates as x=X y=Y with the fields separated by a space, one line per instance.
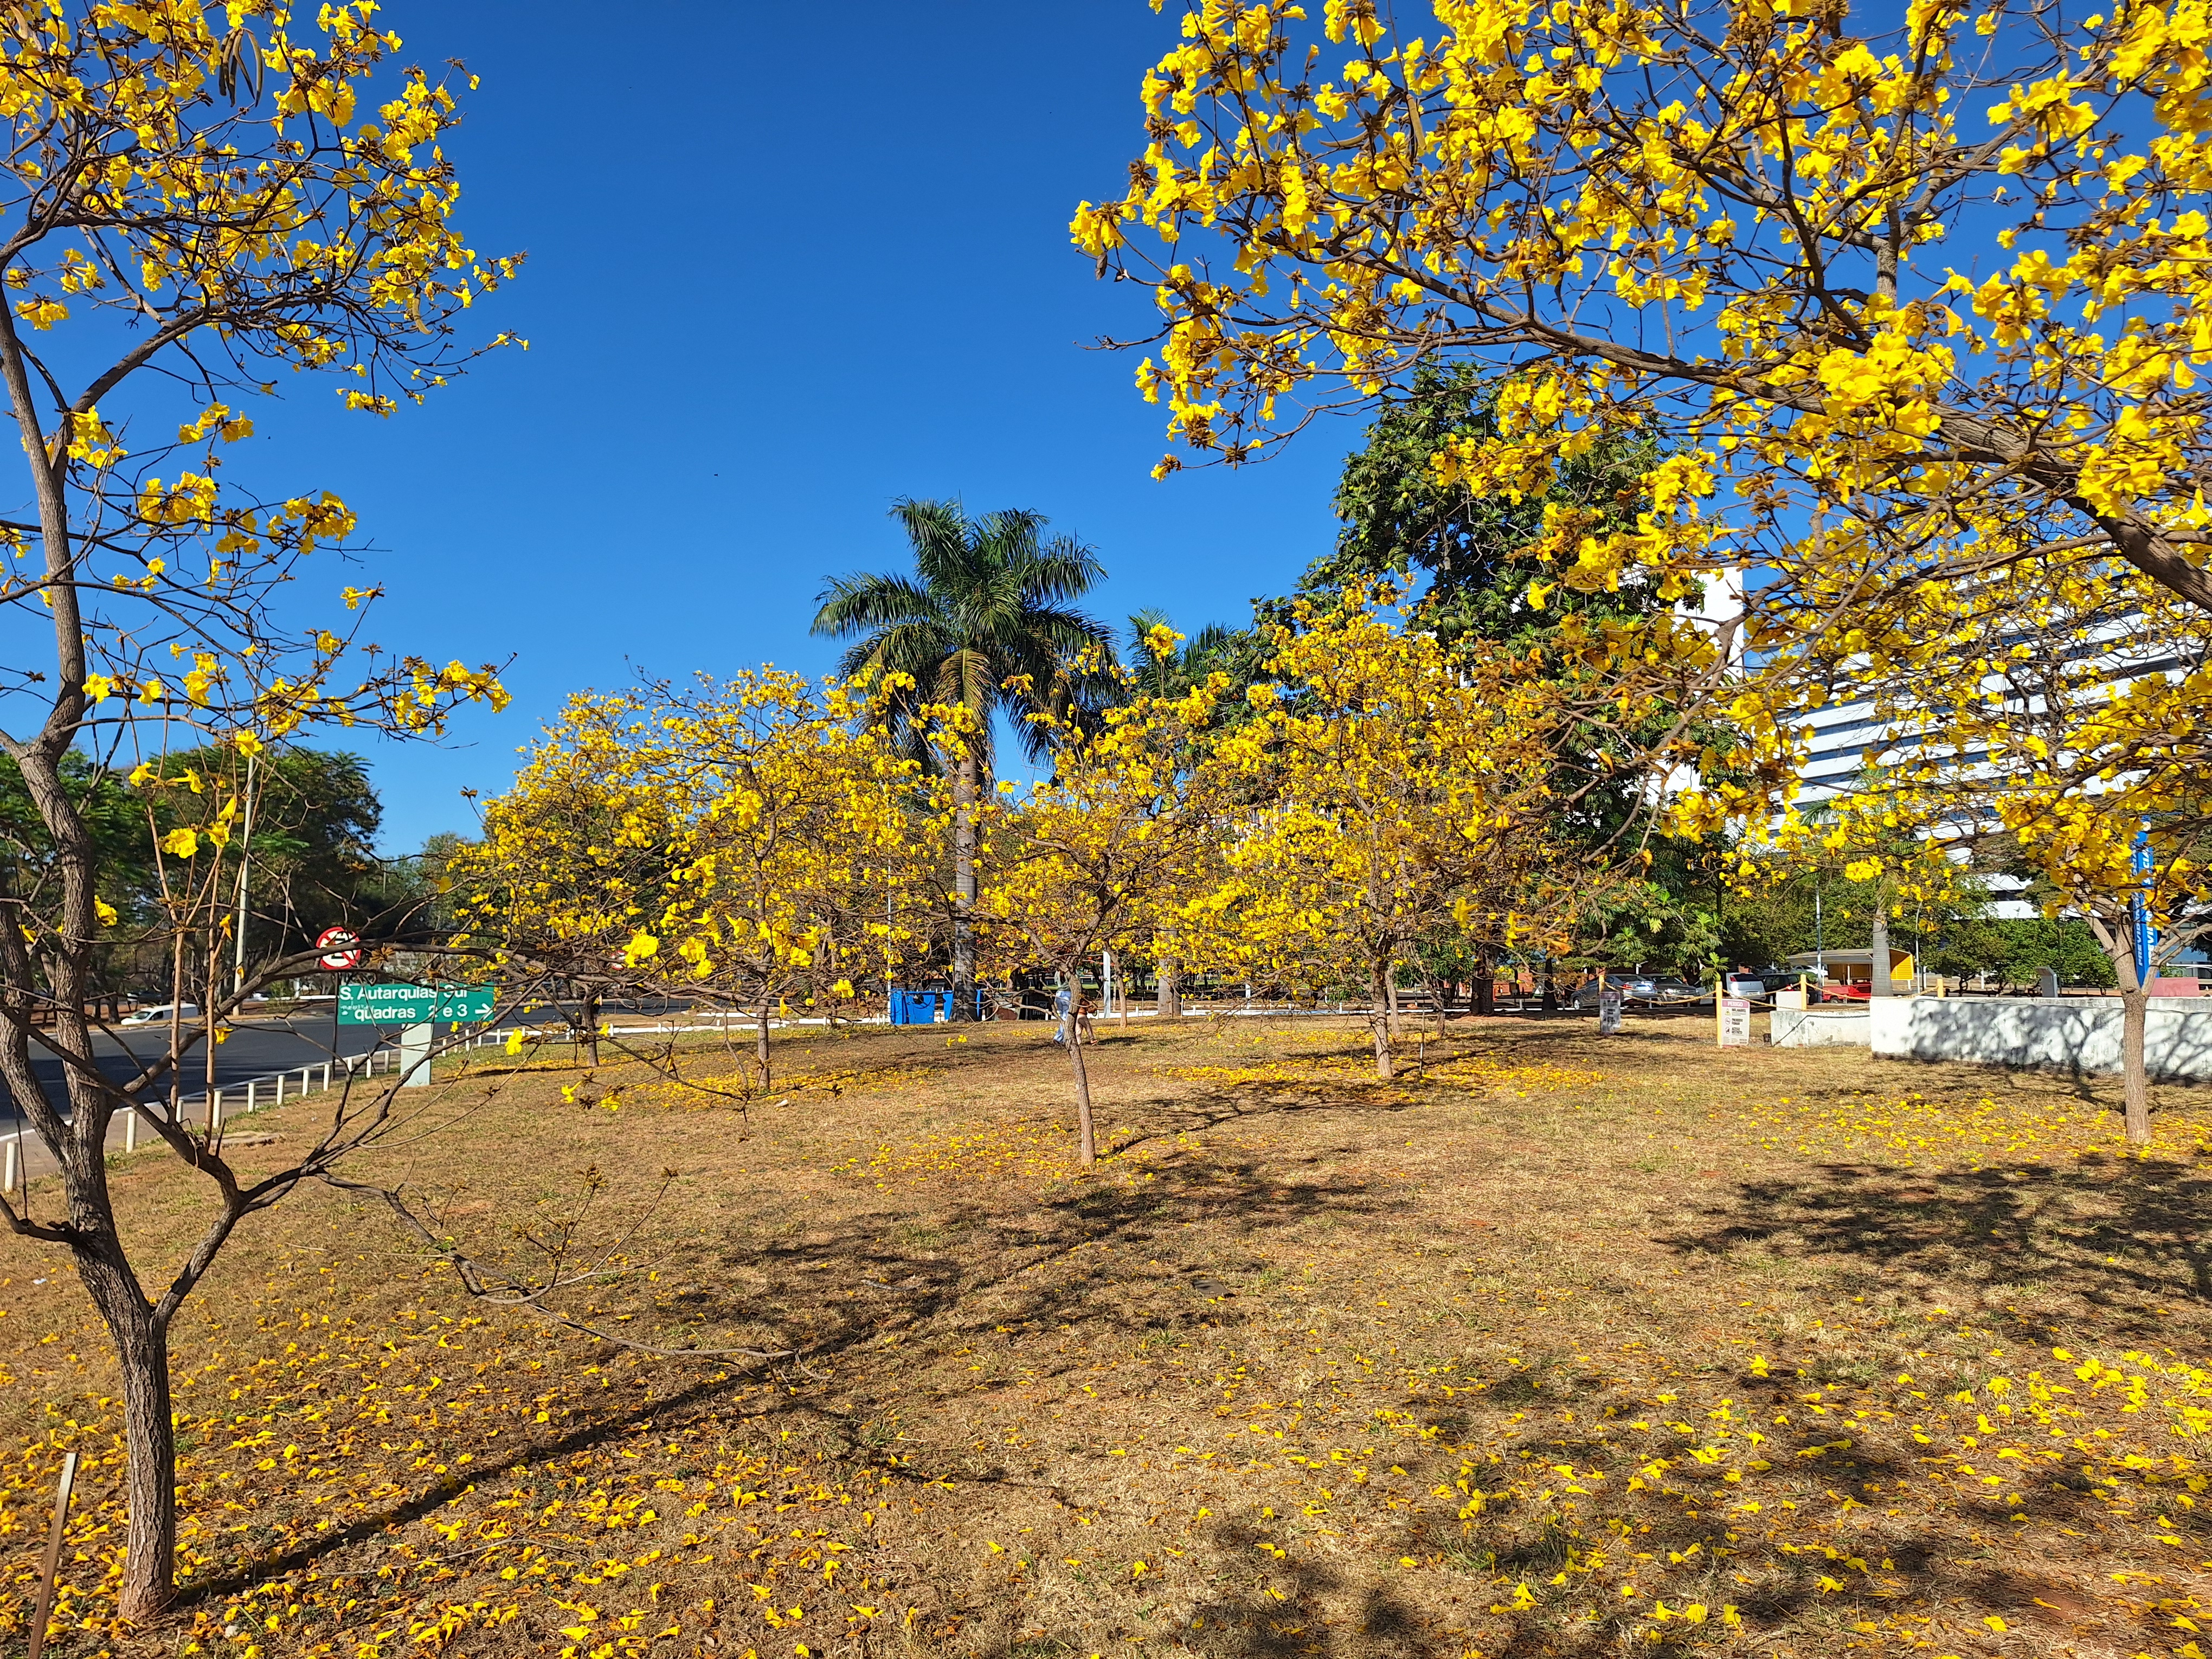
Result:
x=1735 y=1022
x=413 y=1005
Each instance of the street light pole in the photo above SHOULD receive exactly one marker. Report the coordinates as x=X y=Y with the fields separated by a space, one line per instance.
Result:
x=245 y=857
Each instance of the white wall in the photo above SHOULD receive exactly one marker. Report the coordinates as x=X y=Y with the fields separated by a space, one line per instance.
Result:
x=2072 y=1033
x=1818 y=1028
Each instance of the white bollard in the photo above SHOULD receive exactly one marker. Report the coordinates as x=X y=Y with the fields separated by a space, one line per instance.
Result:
x=327 y=1074
x=15 y=1162
x=214 y=1110
x=130 y=1128
x=250 y=1083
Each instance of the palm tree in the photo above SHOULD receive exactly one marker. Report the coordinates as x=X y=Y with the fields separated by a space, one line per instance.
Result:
x=986 y=622
x=1215 y=648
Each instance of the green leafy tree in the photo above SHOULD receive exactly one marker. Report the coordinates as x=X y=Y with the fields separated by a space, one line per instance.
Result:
x=2014 y=952
x=1468 y=558
x=987 y=624
x=1470 y=552
x=311 y=854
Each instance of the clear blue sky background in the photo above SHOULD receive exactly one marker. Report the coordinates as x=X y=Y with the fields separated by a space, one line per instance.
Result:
x=786 y=263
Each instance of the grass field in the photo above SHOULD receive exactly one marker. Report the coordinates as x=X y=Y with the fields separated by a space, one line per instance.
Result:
x=1567 y=1345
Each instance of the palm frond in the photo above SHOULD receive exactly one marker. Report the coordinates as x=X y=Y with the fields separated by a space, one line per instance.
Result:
x=945 y=546
x=851 y=603
x=990 y=600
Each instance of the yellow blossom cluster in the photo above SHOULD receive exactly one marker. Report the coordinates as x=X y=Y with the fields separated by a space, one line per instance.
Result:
x=1915 y=303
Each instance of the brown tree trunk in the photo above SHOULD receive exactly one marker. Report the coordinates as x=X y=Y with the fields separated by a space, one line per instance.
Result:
x=760 y=1050
x=2119 y=940
x=140 y=1340
x=1087 y=1150
x=592 y=1029
x=964 y=784
x=149 y=1434
x=2135 y=1070
x=1486 y=989
x=1882 y=986
x=1385 y=1060
x=1170 y=992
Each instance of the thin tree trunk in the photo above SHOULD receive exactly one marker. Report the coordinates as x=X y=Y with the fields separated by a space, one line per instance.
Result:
x=2119 y=941
x=2135 y=1070
x=140 y=1340
x=142 y=1350
x=1087 y=1152
x=760 y=1050
x=1883 y=985
x=1486 y=989
x=1385 y=1067
x=1390 y=1001
x=1170 y=992
x=591 y=1029
x=963 y=884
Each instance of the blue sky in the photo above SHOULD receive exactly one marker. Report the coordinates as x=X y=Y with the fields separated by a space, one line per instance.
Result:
x=786 y=263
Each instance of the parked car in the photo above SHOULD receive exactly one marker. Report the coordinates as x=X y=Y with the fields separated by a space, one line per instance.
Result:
x=159 y=1015
x=1633 y=988
x=1683 y=990
x=1747 y=985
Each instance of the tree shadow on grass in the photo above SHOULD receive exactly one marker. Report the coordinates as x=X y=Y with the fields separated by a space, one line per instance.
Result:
x=2121 y=1237
x=1165 y=1118
x=841 y=1291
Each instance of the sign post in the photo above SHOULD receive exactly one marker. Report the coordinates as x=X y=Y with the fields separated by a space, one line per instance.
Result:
x=1609 y=998
x=341 y=948
x=414 y=1055
x=1735 y=1022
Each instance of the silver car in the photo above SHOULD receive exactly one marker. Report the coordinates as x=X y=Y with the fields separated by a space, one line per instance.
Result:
x=1633 y=988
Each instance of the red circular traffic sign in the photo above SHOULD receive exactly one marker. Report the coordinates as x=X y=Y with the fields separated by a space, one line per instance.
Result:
x=341 y=948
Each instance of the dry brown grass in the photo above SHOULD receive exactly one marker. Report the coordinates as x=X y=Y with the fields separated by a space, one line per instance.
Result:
x=1235 y=1395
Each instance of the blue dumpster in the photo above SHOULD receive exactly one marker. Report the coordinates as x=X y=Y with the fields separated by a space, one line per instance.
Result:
x=927 y=1007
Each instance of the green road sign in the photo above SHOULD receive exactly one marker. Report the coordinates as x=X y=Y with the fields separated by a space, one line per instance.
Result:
x=412 y=1005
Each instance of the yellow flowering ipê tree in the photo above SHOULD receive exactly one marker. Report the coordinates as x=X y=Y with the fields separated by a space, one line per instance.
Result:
x=1742 y=227
x=745 y=844
x=1120 y=849
x=1400 y=791
x=1918 y=295
x=200 y=202
x=570 y=859
x=2052 y=730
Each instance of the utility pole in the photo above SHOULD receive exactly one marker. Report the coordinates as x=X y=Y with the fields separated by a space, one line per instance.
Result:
x=245 y=857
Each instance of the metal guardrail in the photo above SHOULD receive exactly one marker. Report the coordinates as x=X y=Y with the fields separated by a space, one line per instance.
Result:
x=374 y=1062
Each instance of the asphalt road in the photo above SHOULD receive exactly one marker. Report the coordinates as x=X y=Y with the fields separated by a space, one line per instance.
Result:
x=261 y=1047
x=257 y=1048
